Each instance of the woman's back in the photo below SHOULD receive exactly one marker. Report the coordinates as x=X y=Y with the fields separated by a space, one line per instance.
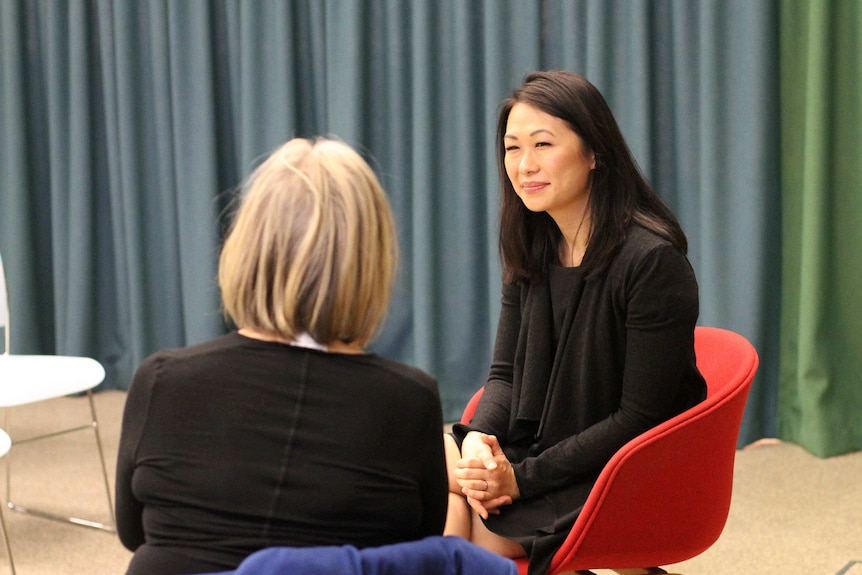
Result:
x=239 y=444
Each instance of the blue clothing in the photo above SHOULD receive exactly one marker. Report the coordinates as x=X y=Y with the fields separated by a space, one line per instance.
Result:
x=429 y=556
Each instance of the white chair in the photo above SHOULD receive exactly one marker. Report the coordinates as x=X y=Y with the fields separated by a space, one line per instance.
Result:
x=5 y=445
x=26 y=379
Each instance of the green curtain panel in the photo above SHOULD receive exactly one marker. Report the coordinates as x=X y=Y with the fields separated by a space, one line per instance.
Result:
x=126 y=127
x=821 y=336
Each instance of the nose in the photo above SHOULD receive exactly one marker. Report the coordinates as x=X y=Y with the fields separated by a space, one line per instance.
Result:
x=528 y=162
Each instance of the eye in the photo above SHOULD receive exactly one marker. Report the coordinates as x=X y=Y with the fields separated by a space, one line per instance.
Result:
x=542 y=144
x=512 y=148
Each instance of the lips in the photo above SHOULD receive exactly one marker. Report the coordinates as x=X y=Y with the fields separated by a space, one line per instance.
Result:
x=533 y=187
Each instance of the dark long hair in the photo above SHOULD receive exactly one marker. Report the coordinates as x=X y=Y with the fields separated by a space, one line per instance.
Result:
x=619 y=194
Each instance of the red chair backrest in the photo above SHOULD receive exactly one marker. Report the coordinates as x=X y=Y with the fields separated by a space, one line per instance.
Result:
x=470 y=409
x=664 y=496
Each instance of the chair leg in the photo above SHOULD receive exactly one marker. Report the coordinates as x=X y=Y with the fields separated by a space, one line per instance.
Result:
x=6 y=543
x=102 y=458
x=94 y=425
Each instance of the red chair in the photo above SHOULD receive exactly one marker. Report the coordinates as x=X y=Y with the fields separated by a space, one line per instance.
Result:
x=665 y=495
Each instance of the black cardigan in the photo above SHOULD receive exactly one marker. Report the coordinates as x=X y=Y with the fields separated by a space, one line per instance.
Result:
x=624 y=363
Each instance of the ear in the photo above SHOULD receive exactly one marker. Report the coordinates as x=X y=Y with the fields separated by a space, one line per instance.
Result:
x=592 y=161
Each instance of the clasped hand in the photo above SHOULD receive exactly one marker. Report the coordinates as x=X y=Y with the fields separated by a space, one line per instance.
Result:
x=485 y=475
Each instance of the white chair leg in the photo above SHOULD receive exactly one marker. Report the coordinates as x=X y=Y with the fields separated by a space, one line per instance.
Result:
x=94 y=425
x=102 y=459
x=6 y=543
x=5 y=446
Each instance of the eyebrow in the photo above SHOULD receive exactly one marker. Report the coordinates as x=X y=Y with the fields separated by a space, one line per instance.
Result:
x=533 y=133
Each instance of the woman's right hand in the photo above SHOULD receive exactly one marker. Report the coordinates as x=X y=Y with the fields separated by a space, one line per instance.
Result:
x=485 y=475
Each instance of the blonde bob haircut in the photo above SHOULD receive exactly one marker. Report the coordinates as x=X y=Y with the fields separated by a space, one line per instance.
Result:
x=313 y=246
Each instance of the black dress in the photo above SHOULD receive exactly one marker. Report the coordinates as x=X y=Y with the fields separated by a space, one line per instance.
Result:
x=581 y=366
x=237 y=444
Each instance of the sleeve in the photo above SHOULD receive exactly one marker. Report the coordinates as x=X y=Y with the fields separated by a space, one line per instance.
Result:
x=660 y=297
x=129 y=510
x=435 y=489
x=492 y=412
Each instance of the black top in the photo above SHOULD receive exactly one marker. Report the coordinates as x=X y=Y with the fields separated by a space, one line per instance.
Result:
x=237 y=444
x=562 y=405
x=560 y=281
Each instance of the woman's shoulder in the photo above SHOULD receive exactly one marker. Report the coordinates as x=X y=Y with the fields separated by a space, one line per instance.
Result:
x=399 y=370
x=642 y=239
x=645 y=253
x=641 y=243
x=387 y=381
x=170 y=361
x=216 y=345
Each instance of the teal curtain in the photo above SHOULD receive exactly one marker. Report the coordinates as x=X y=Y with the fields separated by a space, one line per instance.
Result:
x=821 y=340
x=126 y=127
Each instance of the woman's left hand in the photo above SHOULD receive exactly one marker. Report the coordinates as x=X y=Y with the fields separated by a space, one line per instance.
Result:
x=486 y=477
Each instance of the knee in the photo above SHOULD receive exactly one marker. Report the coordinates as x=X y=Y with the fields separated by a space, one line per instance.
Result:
x=458 y=517
x=453 y=454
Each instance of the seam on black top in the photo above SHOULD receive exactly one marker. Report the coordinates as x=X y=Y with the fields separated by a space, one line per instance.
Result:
x=288 y=447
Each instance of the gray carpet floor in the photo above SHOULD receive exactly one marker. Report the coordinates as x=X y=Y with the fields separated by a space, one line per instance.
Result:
x=792 y=513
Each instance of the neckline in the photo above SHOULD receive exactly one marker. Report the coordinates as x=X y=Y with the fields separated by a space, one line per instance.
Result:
x=303 y=341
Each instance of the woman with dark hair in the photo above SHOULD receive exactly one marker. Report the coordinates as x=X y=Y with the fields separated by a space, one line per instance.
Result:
x=595 y=342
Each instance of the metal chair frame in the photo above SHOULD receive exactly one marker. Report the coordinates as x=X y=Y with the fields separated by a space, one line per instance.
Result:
x=5 y=445
x=53 y=364
x=94 y=425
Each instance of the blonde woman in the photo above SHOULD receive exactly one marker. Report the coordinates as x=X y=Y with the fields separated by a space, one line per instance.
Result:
x=286 y=431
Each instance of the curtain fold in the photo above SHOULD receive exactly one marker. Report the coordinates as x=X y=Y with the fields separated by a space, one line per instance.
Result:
x=725 y=176
x=820 y=383
x=126 y=128
x=160 y=149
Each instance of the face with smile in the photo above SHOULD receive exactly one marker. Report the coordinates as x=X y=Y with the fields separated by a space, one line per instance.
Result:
x=546 y=162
